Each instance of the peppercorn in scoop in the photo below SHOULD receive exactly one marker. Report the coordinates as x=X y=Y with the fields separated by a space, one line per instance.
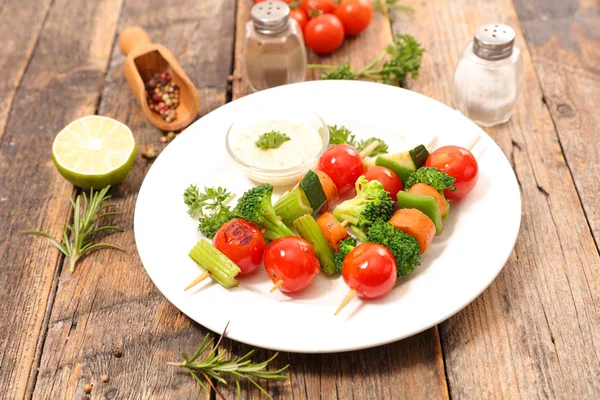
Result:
x=162 y=95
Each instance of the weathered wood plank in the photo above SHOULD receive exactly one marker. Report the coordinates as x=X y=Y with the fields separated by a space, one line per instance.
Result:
x=412 y=368
x=534 y=332
x=62 y=81
x=110 y=301
x=20 y=29
x=563 y=38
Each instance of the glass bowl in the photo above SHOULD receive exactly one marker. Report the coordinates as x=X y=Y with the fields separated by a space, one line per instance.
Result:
x=275 y=116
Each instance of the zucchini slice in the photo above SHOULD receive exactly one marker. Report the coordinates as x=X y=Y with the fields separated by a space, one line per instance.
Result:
x=313 y=189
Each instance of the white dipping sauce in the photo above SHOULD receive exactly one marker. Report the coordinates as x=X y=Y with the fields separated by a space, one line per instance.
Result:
x=304 y=144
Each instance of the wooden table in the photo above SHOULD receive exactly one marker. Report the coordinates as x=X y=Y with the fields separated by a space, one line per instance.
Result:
x=534 y=333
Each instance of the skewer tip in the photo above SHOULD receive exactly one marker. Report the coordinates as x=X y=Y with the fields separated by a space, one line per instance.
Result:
x=196 y=281
x=473 y=143
x=346 y=300
x=276 y=286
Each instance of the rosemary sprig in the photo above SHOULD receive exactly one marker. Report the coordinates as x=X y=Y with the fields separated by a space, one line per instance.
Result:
x=217 y=366
x=76 y=237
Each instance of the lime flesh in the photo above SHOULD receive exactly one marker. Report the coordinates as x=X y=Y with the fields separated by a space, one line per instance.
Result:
x=94 y=152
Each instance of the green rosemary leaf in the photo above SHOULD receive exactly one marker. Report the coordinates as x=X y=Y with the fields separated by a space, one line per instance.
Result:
x=77 y=237
x=219 y=366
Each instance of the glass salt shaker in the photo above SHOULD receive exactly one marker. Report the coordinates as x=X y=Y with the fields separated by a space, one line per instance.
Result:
x=274 y=52
x=488 y=77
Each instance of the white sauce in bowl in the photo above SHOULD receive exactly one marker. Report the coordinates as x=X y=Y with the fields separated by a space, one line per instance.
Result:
x=305 y=143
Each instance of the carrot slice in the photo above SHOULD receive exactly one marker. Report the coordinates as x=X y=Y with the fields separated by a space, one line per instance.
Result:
x=329 y=188
x=426 y=190
x=334 y=231
x=415 y=223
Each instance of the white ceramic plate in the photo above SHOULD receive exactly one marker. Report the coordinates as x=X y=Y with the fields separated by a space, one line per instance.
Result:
x=478 y=237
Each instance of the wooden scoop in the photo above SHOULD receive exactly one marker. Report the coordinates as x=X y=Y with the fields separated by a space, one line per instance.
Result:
x=144 y=59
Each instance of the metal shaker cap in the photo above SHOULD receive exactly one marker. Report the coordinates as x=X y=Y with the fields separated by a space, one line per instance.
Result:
x=270 y=17
x=493 y=41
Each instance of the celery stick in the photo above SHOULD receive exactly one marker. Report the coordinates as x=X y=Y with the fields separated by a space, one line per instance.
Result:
x=221 y=268
x=292 y=205
x=309 y=230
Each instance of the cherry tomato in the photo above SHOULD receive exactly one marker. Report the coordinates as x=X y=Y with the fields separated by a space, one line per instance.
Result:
x=324 y=33
x=390 y=181
x=459 y=163
x=325 y=6
x=344 y=166
x=300 y=16
x=370 y=269
x=292 y=260
x=242 y=242
x=355 y=15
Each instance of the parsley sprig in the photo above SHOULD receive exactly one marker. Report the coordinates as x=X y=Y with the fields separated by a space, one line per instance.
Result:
x=343 y=135
x=271 y=140
x=210 y=207
x=76 y=237
x=404 y=58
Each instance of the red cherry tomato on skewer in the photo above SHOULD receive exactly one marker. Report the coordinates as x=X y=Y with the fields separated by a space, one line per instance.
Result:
x=343 y=164
x=390 y=181
x=243 y=243
x=370 y=269
x=459 y=163
x=292 y=260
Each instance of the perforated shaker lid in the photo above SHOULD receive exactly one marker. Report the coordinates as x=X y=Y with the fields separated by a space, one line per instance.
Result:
x=493 y=41
x=270 y=17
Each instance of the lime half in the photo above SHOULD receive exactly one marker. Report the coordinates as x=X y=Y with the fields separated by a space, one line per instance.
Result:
x=94 y=151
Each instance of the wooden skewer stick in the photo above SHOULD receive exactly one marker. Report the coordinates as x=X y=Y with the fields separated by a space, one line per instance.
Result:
x=196 y=281
x=276 y=286
x=473 y=143
x=346 y=300
x=431 y=142
x=369 y=149
x=345 y=223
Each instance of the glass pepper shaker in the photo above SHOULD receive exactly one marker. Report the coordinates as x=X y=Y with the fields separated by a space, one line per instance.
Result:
x=488 y=77
x=274 y=52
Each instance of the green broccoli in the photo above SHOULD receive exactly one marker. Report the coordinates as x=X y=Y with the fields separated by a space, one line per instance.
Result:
x=432 y=177
x=371 y=203
x=345 y=247
x=404 y=247
x=255 y=206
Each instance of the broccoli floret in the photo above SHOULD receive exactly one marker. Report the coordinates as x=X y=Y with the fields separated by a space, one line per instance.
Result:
x=432 y=177
x=404 y=247
x=255 y=206
x=371 y=203
x=346 y=247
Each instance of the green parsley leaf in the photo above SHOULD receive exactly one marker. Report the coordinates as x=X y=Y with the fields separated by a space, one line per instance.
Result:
x=271 y=140
x=381 y=149
x=341 y=135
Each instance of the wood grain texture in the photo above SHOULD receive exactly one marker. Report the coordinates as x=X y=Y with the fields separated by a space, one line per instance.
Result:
x=62 y=81
x=534 y=332
x=412 y=368
x=564 y=40
x=17 y=46
x=110 y=301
